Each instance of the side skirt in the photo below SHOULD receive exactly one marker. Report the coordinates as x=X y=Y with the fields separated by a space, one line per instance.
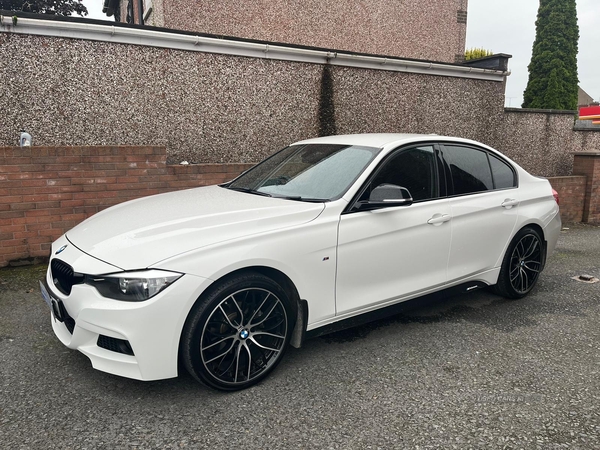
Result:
x=392 y=310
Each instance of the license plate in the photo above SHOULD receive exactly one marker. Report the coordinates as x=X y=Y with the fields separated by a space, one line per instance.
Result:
x=46 y=295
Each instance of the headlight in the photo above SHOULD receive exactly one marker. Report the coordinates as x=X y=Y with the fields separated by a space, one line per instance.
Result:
x=133 y=286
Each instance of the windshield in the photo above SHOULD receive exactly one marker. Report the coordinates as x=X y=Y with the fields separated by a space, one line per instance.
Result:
x=310 y=172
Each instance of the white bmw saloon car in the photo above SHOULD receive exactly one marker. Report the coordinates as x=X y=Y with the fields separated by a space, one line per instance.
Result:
x=223 y=278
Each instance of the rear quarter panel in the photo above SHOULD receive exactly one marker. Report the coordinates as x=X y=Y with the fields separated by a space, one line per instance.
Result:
x=537 y=206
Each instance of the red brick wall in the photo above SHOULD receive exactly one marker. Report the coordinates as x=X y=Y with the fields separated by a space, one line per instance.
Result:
x=45 y=191
x=588 y=164
x=571 y=192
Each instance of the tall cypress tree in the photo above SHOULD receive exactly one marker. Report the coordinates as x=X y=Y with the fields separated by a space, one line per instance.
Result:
x=553 y=82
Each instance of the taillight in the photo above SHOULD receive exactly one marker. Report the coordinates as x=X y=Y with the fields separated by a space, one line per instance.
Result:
x=555 y=195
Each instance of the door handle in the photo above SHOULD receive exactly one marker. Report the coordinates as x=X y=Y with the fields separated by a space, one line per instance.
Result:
x=439 y=219
x=509 y=203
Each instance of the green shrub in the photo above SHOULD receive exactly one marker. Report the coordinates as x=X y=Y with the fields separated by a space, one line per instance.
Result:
x=476 y=53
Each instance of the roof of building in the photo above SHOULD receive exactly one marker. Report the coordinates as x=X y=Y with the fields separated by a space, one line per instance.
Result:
x=583 y=98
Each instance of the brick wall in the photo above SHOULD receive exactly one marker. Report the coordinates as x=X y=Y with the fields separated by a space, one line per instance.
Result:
x=45 y=191
x=571 y=192
x=588 y=164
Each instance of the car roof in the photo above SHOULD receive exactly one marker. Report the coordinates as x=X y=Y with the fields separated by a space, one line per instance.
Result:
x=393 y=140
x=378 y=140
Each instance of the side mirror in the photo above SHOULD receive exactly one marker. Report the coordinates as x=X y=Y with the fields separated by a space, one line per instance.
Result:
x=387 y=195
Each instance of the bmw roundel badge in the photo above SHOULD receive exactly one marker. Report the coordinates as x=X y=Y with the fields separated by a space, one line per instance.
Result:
x=61 y=249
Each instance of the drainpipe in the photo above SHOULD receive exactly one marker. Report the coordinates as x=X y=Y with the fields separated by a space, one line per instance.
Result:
x=141 y=11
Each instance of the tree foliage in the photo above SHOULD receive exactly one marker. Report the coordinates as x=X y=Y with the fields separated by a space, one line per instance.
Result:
x=57 y=7
x=553 y=82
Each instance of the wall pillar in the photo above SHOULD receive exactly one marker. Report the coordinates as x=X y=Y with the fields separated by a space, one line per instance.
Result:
x=588 y=164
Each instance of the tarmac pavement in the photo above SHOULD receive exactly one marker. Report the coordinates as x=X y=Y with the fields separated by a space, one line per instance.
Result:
x=473 y=371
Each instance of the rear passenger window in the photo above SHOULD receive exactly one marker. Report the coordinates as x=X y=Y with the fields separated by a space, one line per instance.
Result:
x=504 y=177
x=469 y=168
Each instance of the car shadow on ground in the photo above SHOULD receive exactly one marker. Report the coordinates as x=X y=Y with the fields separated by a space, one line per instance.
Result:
x=482 y=307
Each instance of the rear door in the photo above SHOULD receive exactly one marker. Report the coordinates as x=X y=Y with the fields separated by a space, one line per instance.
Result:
x=484 y=202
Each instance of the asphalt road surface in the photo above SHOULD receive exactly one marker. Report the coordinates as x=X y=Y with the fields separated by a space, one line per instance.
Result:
x=473 y=371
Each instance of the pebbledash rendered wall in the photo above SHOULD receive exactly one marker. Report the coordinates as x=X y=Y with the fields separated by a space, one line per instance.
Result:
x=204 y=108
x=212 y=108
x=542 y=141
x=432 y=30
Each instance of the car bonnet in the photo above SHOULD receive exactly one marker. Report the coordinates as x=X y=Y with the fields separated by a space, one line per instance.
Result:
x=141 y=232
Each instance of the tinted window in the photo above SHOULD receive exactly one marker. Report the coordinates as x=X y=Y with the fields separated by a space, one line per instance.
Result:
x=504 y=177
x=412 y=169
x=469 y=168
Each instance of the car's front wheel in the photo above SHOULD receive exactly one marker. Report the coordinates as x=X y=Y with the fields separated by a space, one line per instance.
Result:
x=522 y=264
x=238 y=331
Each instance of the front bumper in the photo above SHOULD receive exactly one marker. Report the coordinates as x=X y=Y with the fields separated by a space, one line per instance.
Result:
x=151 y=328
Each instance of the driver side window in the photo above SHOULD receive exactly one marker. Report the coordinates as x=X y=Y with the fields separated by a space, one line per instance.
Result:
x=413 y=169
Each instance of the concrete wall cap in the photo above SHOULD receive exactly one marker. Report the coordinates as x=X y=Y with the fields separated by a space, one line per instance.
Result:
x=540 y=111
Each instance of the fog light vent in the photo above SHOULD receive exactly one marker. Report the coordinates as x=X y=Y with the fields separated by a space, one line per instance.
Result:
x=115 y=345
x=69 y=323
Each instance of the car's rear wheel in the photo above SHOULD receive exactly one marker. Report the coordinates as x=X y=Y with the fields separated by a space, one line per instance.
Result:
x=522 y=264
x=238 y=332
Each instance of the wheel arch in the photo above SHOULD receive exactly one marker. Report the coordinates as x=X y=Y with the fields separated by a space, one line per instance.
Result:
x=537 y=227
x=280 y=278
x=288 y=285
x=504 y=285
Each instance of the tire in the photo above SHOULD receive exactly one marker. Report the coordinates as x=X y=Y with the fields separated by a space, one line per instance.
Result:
x=238 y=331
x=522 y=264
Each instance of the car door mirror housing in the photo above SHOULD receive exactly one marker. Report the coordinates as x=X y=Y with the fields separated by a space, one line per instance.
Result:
x=385 y=196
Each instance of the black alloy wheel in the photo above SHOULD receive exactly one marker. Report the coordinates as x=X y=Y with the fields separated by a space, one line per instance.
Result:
x=522 y=264
x=238 y=333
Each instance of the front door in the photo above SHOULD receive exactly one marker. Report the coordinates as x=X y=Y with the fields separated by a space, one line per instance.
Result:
x=389 y=253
